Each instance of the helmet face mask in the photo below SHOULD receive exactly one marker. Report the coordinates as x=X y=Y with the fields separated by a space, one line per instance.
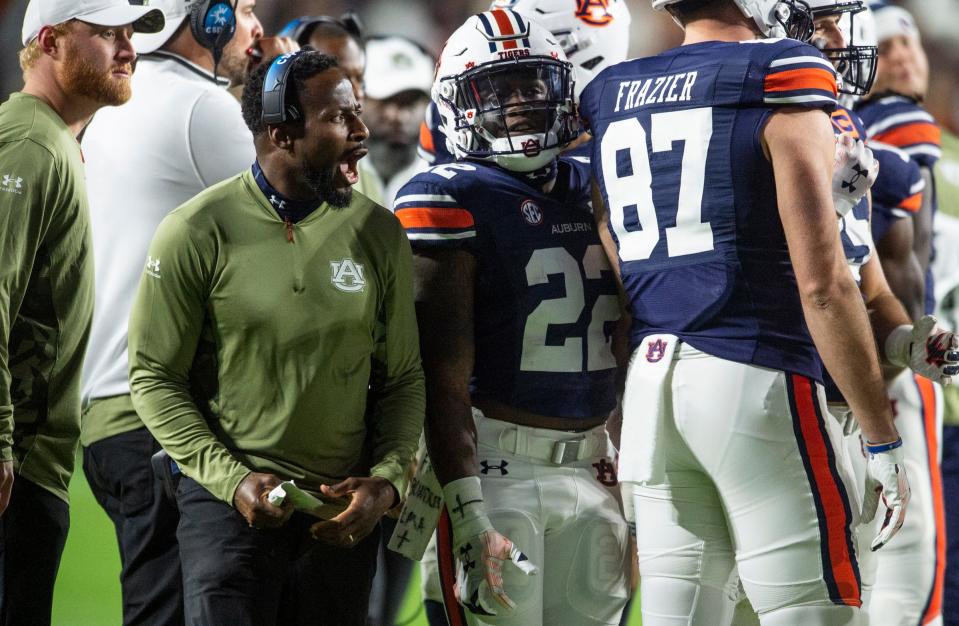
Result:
x=792 y=19
x=513 y=106
x=856 y=61
x=773 y=18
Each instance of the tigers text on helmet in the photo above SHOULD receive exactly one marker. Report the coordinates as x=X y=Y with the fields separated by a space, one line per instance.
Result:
x=774 y=18
x=855 y=59
x=594 y=34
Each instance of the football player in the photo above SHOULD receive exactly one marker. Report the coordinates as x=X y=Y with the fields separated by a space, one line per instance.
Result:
x=593 y=36
x=909 y=577
x=714 y=162
x=843 y=33
x=516 y=304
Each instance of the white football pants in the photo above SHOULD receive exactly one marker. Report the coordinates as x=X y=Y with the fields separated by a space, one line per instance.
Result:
x=756 y=479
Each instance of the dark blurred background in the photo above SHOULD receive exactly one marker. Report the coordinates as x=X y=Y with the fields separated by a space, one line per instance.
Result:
x=431 y=21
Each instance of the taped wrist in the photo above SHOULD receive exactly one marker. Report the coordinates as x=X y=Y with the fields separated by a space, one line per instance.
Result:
x=464 y=503
x=898 y=345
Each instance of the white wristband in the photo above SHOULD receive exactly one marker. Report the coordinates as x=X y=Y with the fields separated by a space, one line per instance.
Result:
x=464 y=503
x=897 y=345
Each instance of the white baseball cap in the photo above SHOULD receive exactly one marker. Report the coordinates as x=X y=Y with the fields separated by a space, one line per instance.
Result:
x=175 y=11
x=42 y=13
x=892 y=21
x=395 y=64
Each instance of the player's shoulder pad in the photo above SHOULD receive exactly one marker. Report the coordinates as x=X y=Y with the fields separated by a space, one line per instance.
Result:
x=900 y=184
x=794 y=73
x=902 y=122
x=433 y=205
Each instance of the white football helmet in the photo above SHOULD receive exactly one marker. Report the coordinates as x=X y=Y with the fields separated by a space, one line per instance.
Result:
x=504 y=91
x=593 y=35
x=856 y=61
x=774 y=18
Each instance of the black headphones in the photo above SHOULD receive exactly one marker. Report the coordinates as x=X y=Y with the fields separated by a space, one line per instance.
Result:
x=301 y=28
x=213 y=23
x=275 y=108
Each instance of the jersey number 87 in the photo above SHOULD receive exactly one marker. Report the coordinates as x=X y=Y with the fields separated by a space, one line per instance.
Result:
x=629 y=183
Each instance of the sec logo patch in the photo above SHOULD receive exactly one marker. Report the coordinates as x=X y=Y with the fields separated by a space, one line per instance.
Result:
x=531 y=213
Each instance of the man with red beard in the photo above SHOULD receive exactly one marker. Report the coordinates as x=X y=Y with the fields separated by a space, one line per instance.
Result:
x=78 y=58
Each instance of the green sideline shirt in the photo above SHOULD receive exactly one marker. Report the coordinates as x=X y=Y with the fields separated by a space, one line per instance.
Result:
x=46 y=291
x=249 y=351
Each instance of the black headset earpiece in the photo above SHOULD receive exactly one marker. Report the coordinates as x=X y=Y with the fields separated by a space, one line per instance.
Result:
x=275 y=108
x=213 y=23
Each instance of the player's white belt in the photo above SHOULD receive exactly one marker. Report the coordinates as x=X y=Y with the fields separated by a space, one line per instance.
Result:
x=541 y=444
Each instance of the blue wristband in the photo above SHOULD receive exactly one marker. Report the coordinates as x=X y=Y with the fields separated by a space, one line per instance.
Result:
x=876 y=448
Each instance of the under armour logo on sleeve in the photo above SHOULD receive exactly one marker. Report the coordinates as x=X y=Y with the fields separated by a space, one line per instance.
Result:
x=153 y=266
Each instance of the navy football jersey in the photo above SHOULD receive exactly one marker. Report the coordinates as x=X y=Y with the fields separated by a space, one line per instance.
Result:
x=901 y=122
x=432 y=144
x=545 y=297
x=691 y=196
x=898 y=191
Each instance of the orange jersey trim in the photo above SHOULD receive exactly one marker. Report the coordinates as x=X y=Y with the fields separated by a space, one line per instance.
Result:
x=913 y=203
x=426 y=138
x=909 y=134
x=805 y=78
x=434 y=217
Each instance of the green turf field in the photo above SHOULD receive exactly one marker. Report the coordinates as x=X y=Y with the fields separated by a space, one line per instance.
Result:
x=88 y=586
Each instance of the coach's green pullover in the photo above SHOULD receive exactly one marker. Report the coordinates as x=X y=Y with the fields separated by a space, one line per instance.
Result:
x=252 y=344
x=46 y=291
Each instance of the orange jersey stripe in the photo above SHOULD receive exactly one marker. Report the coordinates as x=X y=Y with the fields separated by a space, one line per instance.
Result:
x=502 y=20
x=426 y=138
x=824 y=482
x=805 y=78
x=913 y=203
x=928 y=394
x=909 y=134
x=433 y=217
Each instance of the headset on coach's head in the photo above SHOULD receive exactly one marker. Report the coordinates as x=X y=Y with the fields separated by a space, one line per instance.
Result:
x=275 y=108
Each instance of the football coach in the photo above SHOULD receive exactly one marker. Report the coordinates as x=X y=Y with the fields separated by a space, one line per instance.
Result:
x=273 y=337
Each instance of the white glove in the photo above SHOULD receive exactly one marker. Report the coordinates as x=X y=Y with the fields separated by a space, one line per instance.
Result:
x=854 y=173
x=885 y=478
x=480 y=550
x=926 y=349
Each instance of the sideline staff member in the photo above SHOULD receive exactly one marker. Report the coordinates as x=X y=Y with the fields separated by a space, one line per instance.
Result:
x=252 y=361
x=77 y=58
x=180 y=133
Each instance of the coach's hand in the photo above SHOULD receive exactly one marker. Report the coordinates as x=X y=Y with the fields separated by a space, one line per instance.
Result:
x=371 y=499
x=268 y=47
x=6 y=484
x=480 y=550
x=886 y=479
x=250 y=499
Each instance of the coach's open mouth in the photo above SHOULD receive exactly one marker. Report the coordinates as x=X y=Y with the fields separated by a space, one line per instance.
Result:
x=348 y=173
